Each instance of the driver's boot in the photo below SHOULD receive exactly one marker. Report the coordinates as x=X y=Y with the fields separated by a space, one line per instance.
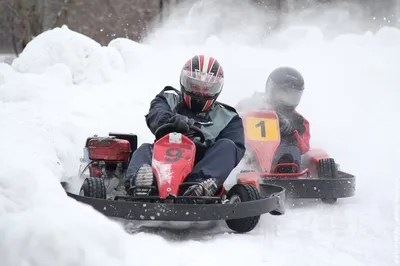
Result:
x=206 y=188
x=144 y=177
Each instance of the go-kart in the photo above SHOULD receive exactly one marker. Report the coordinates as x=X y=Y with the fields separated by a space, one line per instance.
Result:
x=267 y=161
x=173 y=158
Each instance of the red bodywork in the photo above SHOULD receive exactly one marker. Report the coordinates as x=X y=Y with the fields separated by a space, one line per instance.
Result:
x=312 y=158
x=109 y=149
x=263 y=148
x=263 y=139
x=173 y=160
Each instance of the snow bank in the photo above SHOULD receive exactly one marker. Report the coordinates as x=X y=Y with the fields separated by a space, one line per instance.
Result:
x=66 y=87
x=85 y=58
x=6 y=58
x=131 y=52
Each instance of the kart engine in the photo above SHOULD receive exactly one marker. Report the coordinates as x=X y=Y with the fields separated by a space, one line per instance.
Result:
x=109 y=157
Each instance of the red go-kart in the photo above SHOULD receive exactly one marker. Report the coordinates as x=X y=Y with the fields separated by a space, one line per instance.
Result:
x=312 y=175
x=173 y=159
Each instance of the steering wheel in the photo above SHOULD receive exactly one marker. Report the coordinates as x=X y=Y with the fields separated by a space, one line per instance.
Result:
x=169 y=128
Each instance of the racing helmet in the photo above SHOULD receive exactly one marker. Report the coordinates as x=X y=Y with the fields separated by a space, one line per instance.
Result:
x=201 y=80
x=284 y=88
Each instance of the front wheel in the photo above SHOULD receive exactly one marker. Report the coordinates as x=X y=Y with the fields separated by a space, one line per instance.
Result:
x=93 y=187
x=241 y=193
x=327 y=168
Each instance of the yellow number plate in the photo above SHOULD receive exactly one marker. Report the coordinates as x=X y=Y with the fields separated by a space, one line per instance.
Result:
x=262 y=129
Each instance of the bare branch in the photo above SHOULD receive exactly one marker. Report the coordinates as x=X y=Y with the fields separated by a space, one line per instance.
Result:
x=62 y=15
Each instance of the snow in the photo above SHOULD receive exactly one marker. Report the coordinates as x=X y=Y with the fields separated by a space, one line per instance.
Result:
x=65 y=87
x=87 y=61
x=163 y=171
x=6 y=58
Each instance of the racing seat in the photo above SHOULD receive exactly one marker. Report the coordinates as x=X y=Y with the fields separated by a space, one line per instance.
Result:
x=289 y=156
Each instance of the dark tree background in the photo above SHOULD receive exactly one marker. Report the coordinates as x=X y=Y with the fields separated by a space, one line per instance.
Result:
x=104 y=20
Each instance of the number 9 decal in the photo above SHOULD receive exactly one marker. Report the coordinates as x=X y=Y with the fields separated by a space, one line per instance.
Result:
x=173 y=155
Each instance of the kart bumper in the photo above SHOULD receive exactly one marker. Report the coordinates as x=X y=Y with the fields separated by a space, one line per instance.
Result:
x=341 y=187
x=271 y=202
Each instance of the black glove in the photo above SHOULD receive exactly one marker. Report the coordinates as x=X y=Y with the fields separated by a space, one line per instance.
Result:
x=285 y=126
x=181 y=123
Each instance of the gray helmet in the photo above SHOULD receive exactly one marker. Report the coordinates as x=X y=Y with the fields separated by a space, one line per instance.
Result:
x=284 y=88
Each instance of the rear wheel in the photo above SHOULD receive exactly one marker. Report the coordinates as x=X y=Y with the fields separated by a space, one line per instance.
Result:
x=327 y=168
x=241 y=193
x=93 y=187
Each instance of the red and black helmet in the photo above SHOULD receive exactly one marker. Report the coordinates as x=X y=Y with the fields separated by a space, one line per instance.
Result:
x=202 y=79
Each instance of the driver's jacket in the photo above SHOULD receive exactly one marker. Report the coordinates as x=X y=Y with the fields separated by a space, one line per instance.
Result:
x=301 y=126
x=221 y=122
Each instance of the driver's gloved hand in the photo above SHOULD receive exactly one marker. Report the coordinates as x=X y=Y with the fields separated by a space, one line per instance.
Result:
x=285 y=126
x=181 y=123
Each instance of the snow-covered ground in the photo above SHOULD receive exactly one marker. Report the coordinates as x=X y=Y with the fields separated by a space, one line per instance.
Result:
x=6 y=58
x=65 y=87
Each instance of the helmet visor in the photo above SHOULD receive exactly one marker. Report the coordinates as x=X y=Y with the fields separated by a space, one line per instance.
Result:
x=283 y=94
x=201 y=84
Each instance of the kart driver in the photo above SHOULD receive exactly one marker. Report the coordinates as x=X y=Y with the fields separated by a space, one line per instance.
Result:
x=201 y=82
x=283 y=91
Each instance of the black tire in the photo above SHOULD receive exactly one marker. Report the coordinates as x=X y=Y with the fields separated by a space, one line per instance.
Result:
x=93 y=187
x=327 y=168
x=245 y=192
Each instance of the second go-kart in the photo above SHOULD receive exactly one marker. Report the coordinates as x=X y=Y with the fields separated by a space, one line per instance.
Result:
x=312 y=175
x=173 y=159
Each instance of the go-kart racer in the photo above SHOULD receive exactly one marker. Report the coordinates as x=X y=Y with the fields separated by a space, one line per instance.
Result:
x=283 y=91
x=201 y=82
